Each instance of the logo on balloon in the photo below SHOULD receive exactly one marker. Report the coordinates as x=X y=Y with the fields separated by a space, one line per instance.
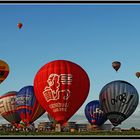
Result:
x=123 y=98
x=21 y=100
x=96 y=112
x=52 y=90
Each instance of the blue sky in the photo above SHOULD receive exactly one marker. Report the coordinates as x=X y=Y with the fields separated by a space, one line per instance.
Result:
x=91 y=35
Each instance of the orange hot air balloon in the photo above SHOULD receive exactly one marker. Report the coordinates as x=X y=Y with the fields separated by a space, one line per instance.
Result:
x=138 y=74
x=4 y=70
x=19 y=25
x=116 y=65
x=61 y=87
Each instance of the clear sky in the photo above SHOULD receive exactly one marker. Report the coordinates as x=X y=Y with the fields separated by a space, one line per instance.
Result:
x=91 y=35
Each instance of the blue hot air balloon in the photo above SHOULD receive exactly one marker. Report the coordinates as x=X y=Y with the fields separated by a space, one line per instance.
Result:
x=119 y=100
x=28 y=107
x=94 y=114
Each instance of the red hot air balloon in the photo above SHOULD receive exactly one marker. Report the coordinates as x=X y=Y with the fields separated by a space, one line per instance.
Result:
x=116 y=65
x=137 y=74
x=19 y=25
x=61 y=87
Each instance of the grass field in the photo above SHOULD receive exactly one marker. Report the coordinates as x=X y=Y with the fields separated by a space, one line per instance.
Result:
x=67 y=134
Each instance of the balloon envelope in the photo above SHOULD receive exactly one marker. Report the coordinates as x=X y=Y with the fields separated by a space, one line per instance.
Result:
x=116 y=65
x=19 y=25
x=137 y=74
x=4 y=70
x=8 y=107
x=119 y=100
x=61 y=87
x=28 y=107
x=94 y=114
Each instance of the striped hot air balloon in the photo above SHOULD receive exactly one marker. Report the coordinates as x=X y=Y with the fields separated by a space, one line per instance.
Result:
x=8 y=107
x=119 y=100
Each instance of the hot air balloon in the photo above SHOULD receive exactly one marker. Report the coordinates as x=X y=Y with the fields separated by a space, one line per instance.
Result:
x=61 y=87
x=19 y=25
x=138 y=74
x=94 y=114
x=28 y=107
x=8 y=107
x=4 y=70
x=119 y=100
x=116 y=65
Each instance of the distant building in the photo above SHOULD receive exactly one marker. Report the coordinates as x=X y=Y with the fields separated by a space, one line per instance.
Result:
x=5 y=127
x=72 y=125
x=82 y=127
x=116 y=129
x=44 y=126
x=106 y=127
x=2 y=127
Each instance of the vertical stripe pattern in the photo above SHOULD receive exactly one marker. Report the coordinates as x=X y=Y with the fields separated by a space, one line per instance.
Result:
x=119 y=100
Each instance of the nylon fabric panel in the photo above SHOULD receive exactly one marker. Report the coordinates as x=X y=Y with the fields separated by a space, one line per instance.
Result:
x=39 y=111
x=131 y=106
x=11 y=118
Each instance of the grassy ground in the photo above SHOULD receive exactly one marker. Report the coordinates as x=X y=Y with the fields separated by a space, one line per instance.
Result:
x=94 y=133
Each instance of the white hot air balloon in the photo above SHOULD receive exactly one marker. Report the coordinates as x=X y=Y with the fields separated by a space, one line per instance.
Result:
x=119 y=100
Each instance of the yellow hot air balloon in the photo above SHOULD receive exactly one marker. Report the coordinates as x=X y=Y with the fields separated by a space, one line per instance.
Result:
x=4 y=70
